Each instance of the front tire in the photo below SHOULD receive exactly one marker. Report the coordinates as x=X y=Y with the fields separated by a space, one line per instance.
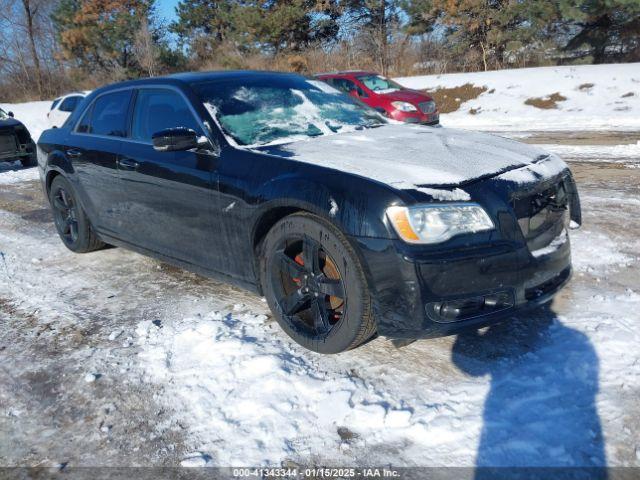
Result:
x=315 y=285
x=70 y=219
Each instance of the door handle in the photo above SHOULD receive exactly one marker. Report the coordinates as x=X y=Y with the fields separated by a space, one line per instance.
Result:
x=128 y=164
x=73 y=153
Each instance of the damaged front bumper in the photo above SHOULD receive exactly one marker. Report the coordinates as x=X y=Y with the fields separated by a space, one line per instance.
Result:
x=431 y=297
x=430 y=291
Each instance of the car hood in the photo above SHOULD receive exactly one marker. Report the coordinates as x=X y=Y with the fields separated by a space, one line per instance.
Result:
x=411 y=96
x=9 y=124
x=410 y=156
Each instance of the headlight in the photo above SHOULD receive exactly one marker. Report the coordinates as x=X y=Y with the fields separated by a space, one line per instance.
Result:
x=404 y=106
x=427 y=224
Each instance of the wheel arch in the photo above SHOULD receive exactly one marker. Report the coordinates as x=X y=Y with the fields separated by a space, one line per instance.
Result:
x=49 y=177
x=277 y=212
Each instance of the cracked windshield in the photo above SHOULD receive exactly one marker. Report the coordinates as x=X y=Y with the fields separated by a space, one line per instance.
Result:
x=265 y=112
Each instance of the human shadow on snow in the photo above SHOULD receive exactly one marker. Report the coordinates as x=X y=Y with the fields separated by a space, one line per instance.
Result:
x=540 y=410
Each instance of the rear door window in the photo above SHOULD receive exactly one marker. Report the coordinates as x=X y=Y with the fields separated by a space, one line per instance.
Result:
x=69 y=104
x=108 y=115
x=160 y=109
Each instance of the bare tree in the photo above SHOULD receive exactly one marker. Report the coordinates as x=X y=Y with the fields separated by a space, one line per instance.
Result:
x=145 y=49
x=26 y=51
x=31 y=10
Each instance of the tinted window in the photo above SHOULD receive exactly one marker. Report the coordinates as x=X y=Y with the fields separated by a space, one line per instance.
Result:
x=343 y=84
x=83 y=126
x=347 y=86
x=159 y=109
x=55 y=102
x=69 y=104
x=378 y=83
x=108 y=115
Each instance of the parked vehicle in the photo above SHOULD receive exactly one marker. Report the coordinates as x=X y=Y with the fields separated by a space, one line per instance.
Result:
x=386 y=96
x=64 y=106
x=349 y=225
x=15 y=141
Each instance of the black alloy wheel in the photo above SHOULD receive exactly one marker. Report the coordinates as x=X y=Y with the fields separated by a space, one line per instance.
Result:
x=65 y=214
x=70 y=219
x=309 y=290
x=315 y=285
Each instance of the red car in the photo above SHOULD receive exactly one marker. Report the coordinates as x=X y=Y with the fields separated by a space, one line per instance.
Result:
x=386 y=96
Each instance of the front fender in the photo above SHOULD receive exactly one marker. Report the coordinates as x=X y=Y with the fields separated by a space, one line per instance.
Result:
x=356 y=206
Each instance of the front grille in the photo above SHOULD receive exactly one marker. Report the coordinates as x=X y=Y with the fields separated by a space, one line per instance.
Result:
x=427 y=107
x=8 y=144
x=543 y=213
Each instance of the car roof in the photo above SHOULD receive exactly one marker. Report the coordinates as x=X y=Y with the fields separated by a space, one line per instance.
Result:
x=197 y=77
x=188 y=78
x=73 y=94
x=346 y=73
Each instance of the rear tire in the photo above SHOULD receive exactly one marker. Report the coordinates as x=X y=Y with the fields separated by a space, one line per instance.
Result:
x=315 y=285
x=71 y=221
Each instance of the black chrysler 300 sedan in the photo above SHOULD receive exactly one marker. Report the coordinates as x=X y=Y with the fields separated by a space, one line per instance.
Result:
x=348 y=224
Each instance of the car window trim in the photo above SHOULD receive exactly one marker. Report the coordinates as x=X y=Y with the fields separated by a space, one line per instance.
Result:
x=208 y=133
x=74 y=130
x=62 y=104
x=161 y=87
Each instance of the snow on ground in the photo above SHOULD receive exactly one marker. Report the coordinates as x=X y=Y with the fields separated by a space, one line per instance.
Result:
x=537 y=392
x=12 y=172
x=598 y=97
x=143 y=364
x=629 y=153
x=111 y=358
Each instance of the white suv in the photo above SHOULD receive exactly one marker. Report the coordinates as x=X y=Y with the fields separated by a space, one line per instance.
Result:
x=62 y=107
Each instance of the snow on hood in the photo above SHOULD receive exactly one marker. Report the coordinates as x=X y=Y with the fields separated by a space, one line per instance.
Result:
x=406 y=156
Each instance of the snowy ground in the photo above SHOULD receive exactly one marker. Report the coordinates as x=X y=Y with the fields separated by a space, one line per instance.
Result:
x=597 y=97
x=111 y=358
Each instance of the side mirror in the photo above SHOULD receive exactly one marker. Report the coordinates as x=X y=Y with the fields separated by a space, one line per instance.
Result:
x=10 y=114
x=175 y=140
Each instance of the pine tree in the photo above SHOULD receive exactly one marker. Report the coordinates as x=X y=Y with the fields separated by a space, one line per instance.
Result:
x=269 y=26
x=608 y=29
x=485 y=26
x=101 y=35
x=377 y=20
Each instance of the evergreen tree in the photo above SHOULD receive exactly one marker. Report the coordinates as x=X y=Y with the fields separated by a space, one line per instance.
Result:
x=487 y=26
x=377 y=20
x=608 y=29
x=263 y=25
x=102 y=35
x=203 y=25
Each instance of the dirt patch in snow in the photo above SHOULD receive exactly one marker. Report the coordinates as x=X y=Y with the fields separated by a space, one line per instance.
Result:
x=628 y=94
x=450 y=99
x=586 y=86
x=550 y=102
x=581 y=138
